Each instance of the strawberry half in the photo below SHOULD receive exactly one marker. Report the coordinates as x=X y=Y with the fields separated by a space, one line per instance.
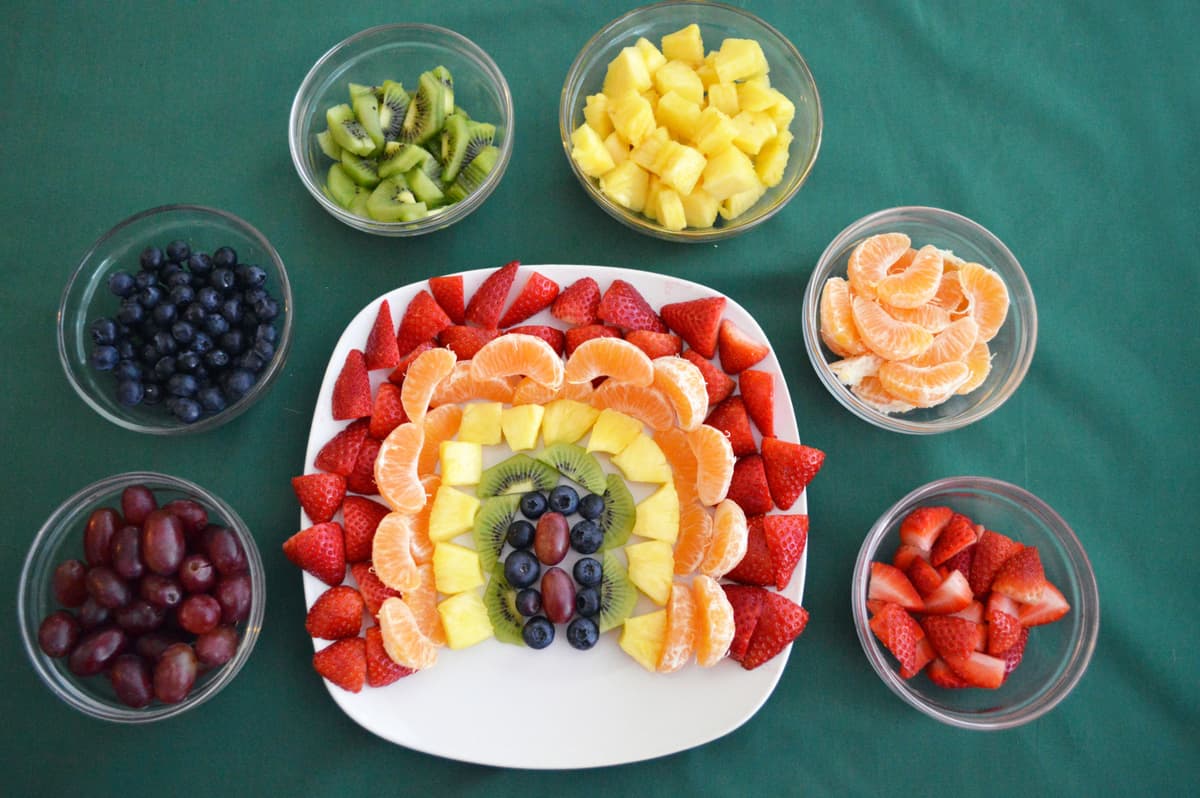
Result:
x=992 y=550
x=888 y=583
x=924 y=655
x=718 y=383
x=336 y=613
x=382 y=351
x=344 y=663
x=352 y=390
x=899 y=634
x=973 y=612
x=537 y=294
x=958 y=534
x=381 y=670
x=962 y=561
x=578 y=303
x=748 y=486
x=362 y=478
x=423 y=319
x=738 y=351
x=747 y=603
x=341 y=452
x=924 y=577
x=786 y=536
x=758 y=392
x=487 y=304
x=905 y=554
x=387 y=412
x=921 y=527
x=756 y=567
x=577 y=335
x=320 y=494
x=782 y=621
x=1021 y=577
x=730 y=417
x=790 y=467
x=397 y=375
x=1003 y=631
x=360 y=518
x=448 y=291
x=655 y=344
x=623 y=306
x=697 y=321
x=466 y=341
x=373 y=590
x=1052 y=606
x=551 y=335
x=940 y=674
x=320 y=550
x=978 y=669
x=950 y=636
x=1013 y=656
x=952 y=595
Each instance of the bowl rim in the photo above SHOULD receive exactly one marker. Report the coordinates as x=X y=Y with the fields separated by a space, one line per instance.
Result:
x=1079 y=654
x=265 y=378
x=52 y=529
x=1016 y=283
x=639 y=222
x=452 y=213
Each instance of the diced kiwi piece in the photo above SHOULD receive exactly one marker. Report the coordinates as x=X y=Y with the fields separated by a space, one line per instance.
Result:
x=412 y=211
x=620 y=512
x=366 y=110
x=517 y=475
x=443 y=77
x=473 y=175
x=423 y=187
x=618 y=596
x=328 y=145
x=389 y=199
x=357 y=90
x=347 y=132
x=574 y=463
x=364 y=171
x=426 y=112
x=482 y=135
x=393 y=106
x=454 y=145
x=339 y=185
x=399 y=158
x=491 y=527
x=358 y=205
x=461 y=112
x=500 y=598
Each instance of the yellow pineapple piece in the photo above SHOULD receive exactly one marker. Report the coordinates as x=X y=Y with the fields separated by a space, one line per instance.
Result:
x=481 y=421
x=741 y=202
x=678 y=115
x=613 y=431
x=729 y=172
x=455 y=568
x=651 y=96
x=643 y=461
x=754 y=128
x=684 y=45
x=625 y=185
x=783 y=110
x=714 y=131
x=739 y=59
x=669 y=211
x=650 y=54
x=706 y=73
x=699 y=208
x=651 y=568
x=658 y=516
x=627 y=74
x=589 y=152
x=595 y=113
x=642 y=638
x=681 y=78
x=464 y=620
x=755 y=94
x=646 y=153
x=680 y=166
x=773 y=158
x=566 y=421
x=724 y=97
x=452 y=513
x=652 y=189
x=618 y=148
x=521 y=425
x=462 y=462
x=632 y=116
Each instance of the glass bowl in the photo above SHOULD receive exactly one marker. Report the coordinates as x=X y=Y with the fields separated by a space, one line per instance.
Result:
x=61 y=538
x=1056 y=655
x=401 y=53
x=1011 y=348
x=87 y=298
x=788 y=73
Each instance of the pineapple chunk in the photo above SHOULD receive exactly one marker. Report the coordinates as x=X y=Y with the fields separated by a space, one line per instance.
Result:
x=613 y=431
x=462 y=462
x=741 y=202
x=627 y=74
x=651 y=96
x=783 y=110
x=566 y=421
x=643 y=461
x=481 y=422
x=724 y=97
x=729 y=172
x=706 y=73
x=589 y=151
x=669 y=210
x=632 y=116
x=465 y=620
x=754 y=128
x=452 y=513
x=684 y=45
x=658 y=516
x=773 y=158
x=626 y=185
x=595 y=112
x=678 y=77
x=642 y=638
x=455 y=568
x=651 y=568
x=617 y=148
x=678 y=114
x=521 y=425
x=652 y=188
x=680 y=166
x=650 y=54
x=714 y=131
x=699 y=208
x=739 y=59
x=646 y=153
x=755 y=94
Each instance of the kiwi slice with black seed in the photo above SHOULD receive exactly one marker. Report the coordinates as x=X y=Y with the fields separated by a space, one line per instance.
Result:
x=491 y=527
x=339 y=186
x=424 y=188
x=481 y=135
x=364 y=171
x=400 y=158
x=347 y=131
x=620 y=512
x=426 y=112
x=517 y=475
x=366 y=110
x=393 y=107
x=500 y=599
x=617 y=594
x=443 y=76
x=454 y=145
x=574 y=463
x=389 y=200
x=473 y=174
x=358 y=205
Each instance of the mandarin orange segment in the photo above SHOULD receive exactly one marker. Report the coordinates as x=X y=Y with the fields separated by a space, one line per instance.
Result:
x=391 y=552
x=903 y=262
x=987 y=296
x=851 y=371
x=580 y=392
x=646 y=404
x=714 y=463
x=397 y=473
x=421 y=380
x=518 y=355
x=871 y=391
x=979 y=362
x=838 y=330
x=923 y=386
x=441 y=424
x=615 y=358
x=531 y=392
x=714 y=621
x=870 y=260
x=952 y=343
x=949 y=296
x=461 y=386
x=695 y=535
x=917 y=284
x=930 y=316
x=887 y=337
x=421 y=545
x=683 y=385
x=403 y=639
x=680 y=639
x=730 y=538
x=423 y=601
x=675 y=447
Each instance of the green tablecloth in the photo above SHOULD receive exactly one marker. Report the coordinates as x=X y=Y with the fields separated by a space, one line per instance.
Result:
x=1067 y=129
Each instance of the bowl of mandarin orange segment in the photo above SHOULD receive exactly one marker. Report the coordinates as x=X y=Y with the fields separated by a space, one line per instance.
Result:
x=919 y=320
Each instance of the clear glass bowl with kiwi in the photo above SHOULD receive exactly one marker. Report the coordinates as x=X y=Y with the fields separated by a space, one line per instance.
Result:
x=402 y=129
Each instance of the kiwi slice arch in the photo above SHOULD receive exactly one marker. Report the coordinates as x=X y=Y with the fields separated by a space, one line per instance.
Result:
x=620 y=512
x=500 y=599
x=574 y=463
x=518 y=475
x=347 y=131
x=491 y=527
x=618 y=596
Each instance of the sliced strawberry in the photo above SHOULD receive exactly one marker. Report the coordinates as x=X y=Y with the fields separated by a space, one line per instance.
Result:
x=655 y=344
x=956 y=536
x=952 y=595
x=718 y=383
x=758 y=392
x=973 y=612
x=352 y=390
x=786 y=536
x=748 y=487
x=382 y=351
x=697 y=322
x=978 y=670
x=962 y=561
x=990 y=553
x=998 y=602
x=906 y=553
x=1003 y=631
x=781 y=622
x=387 y=412
x=374 y=591
x=924 y=654
x=756 y=567
x=551 y=335
x=537 y=294
x=448 y=291
x=730 y=417
x=940 y=674
x=320 y=494
x=336 y=613
x=344 y=663
x=1021 y=577
x=466 y=341
x=362 y=478
x=577 y=335
x=381 y=669
x=790 y=467
x=1013 y=656
x=1052 y=606
x=747 y=603
x=578 y=303
x=340 y=453
x=423 y=319
x=875 y=606
x=398 y=373
x=899 y=633
x=950 y=636
x=623 y=306
x=889 y=583
x=320 y=550
x=487 y=304
x=738 y=351
x=924 y=577
x=921 y=527
x=360 y=517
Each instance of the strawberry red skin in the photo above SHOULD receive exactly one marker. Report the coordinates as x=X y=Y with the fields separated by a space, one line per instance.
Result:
x=781 y=622
x=1003 y=631
x=381 y=669
x=924 y=654
x=718 y=383
x=697 y=321
x=578 y=303
x=1013 y=656
x=758 y=392
x=423 y=319
x=362 y=478
x=551 y=335
x=786 y=537
x=921 y=527
x=655 y=344
x=320 y=494
x=387 y=412
x=958 y=534
x=577 y=335
x=381 y=351
x=448 y=291
x=623 y=306
x=961 y=562
x=343 y=663
x=360 y=518
x=466 y=341
x=950 y=636
x=537 y=294
x=398 y=373
x=978 y=670
x=924 y=577
x=905 y=554
x=352 y=390
x=487 y=304
x=336 y=613
x=940 y=674
x=747 y=603
x=341 y=452
x=899 y=634
x=888 y=583
x=756 y=567
x=1021 y=577
x=730 y=417
x=952 y=595
x=320 y=550
x=1052 y=606
x=992 y=550
x=748 y=487
x=374 y=591
x=737 y=350
x=790 y=467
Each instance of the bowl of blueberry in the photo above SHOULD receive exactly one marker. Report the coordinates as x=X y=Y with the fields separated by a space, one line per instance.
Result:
x=176 y=320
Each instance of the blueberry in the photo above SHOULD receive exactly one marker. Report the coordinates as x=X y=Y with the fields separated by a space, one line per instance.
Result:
x=183 y=332
x=591 y=506
x=104 y=357
x=125 y=349
x=202 y=342
x=582 y=633
x=266 y=308
x=169 y=271
x=538 y=632
x=151 y=259
x=587 y=601
x=121 y=284
x=231 y=309
x=529 y=602
x=222 y=279
x=153 y=394
x=164 y=368
x=250 y=362
x=252 y=295
x=266 y=332
x=195 y=313
x=104 y=331
x=165 y=343
x=182 y=385
x=586 y=537
x=131 y=312
x=201 y=375
x=225 y=256
x=588 y=571
x=127 y=369
x=164 y=314
x=520 y=534
x=250 y=321
x=179 y=279
x=215 y=324
x=149 y=296
x=564 y=499
x=250 y=276
x=521 y=569
x=144 y=279
x=187 y=410
x=183 y=296
x=533 y=504
x=200 y=263
x=264 y=349
x=187 y=362
x=209 y=298
x=233 y=342
x=237 y=383
x=149 y=355
x=178 y=251
x=216 y=359
x=130 y=392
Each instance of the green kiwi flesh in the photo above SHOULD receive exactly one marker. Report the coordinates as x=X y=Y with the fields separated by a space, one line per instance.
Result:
x=491 y=527
x=423 y=187
x=426 y=112
x=517 y=475
x=347 y=131
x=340 y=186
x=454 y=145
x=472 y=177
x=388 y=200
x=399 y=158
x=574 y=463
x=617 y=594
x=366 y=110
x=328 y=146
x=393 y=107
x=500 y=599
x=364 y=171
x=620 y=512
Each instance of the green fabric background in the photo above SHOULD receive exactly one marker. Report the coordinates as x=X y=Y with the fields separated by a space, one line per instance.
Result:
x=1068 y=129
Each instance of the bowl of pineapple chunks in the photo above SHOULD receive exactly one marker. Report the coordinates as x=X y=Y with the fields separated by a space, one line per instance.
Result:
x=690 y=121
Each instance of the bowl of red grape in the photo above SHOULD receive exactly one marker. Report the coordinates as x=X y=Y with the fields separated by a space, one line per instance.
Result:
x=140 y=598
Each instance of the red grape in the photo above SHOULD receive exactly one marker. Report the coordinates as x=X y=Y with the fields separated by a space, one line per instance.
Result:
x=137 y=502
x=175 y=673
x=127 y=553
x=192 y=514
x=161 y=591
x=552 y=538
x=233 y=594
x=163 y=545
x=58 y=633
x=199 y=613
x=224 y=551
x=139 y=616
x=92 y=614
x=558 y=595
x=217 y=647
x=96 y=650
x=196 y=574
x=130 y=676
x=152 y=644
x=102 y=524
x=108 y=589
x=70 y=589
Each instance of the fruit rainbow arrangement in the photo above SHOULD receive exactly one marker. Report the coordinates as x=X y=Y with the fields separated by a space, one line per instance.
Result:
x=538 y=482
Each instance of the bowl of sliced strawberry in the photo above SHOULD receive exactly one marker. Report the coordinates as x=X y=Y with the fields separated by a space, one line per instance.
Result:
x=975 y=603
